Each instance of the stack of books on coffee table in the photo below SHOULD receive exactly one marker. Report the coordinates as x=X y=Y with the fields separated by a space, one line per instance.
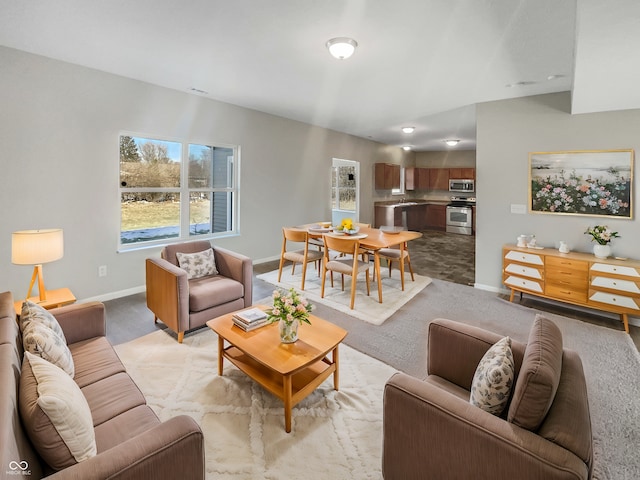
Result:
x=250 y=319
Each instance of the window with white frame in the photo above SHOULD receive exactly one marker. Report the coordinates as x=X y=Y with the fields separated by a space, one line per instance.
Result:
x=165 y=198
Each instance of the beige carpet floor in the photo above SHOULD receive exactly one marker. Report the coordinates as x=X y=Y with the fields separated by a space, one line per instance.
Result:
x=335 y=434
x=366 y=307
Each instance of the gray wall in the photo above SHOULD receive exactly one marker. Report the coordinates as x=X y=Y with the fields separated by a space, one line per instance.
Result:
x=59 y=133
x=507 y=131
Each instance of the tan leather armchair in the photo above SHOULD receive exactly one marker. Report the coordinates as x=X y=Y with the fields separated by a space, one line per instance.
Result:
x=184 y=304
x=432 y=431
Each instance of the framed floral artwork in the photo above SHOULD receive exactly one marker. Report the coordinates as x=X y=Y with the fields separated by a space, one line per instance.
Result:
x=593 y=182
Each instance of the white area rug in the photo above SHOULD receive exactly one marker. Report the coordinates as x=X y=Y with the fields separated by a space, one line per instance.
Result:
x=335 y=434
x=366 y=308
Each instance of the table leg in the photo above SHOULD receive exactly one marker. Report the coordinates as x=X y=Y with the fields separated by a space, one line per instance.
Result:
x=402 y=265
x=286 y=383
x=336 y=373
x=376 y=267
x=220 y=352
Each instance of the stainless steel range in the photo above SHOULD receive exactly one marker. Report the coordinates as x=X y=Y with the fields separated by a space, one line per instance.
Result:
x=460 y=215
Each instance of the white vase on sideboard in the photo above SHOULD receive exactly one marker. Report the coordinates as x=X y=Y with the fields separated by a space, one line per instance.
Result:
x=602 y=251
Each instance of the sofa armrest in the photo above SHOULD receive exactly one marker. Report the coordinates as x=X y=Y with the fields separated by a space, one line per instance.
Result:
x=173 y=449
x=168 y=293
x=455 y=349
x=81 y=321
x=238 y=267
x=429 y=433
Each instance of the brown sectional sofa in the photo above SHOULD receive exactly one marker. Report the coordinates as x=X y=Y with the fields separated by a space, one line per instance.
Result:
x=132 y=443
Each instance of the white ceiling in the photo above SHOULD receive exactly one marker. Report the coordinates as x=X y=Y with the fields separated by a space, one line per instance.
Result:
x=424 y=63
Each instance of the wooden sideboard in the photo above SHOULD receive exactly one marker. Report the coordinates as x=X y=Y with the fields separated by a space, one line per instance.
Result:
x=581 y=279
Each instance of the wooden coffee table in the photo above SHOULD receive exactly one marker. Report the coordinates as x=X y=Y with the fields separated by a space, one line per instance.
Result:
x=289 y=371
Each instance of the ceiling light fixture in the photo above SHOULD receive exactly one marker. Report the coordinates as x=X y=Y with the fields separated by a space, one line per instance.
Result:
x=408 y=129
x=452 y=142
x=342 y=47
x=406 y=148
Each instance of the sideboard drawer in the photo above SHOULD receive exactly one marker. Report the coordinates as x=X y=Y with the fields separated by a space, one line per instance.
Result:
x=523 y=270
x=619 y=302
x=566 y=264
x=523 y=283
x=523 y=257
x=615 y=270
x=612 y=283
x=569 y=293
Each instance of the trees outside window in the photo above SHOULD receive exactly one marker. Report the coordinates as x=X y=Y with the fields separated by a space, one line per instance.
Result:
x=162 y=197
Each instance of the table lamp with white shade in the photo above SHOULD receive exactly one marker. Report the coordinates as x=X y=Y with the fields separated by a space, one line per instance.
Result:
x=35 y=247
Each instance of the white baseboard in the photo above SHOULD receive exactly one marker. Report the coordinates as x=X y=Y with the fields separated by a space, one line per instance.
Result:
x=113 y=295
x=265 y=260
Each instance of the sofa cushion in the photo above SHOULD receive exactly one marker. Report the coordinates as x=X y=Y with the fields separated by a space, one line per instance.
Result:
x=55 y=414
x=125 y=426
x=94 y=360
x=539 y=376
x=207 y=292
x=199 y=264
x=43 y=341
x=492 y=382
x=111 y=396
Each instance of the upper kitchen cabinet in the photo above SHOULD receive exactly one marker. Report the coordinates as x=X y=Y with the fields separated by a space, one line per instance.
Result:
x=439 y=178
x=387 y=176
x=462 y=173
x=416 y=178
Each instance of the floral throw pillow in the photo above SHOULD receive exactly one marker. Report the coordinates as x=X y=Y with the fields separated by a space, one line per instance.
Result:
x=493 y=380
x=198 y=264
x=43 y=336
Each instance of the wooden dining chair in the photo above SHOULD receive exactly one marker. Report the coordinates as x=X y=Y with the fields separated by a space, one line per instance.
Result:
x=303 y=256
x=343 y=265
x=397 y=255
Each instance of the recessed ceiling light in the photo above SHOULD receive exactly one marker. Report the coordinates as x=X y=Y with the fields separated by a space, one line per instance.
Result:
x=452 y=142
x=406 y=148
x=553 y=77
x=408 y=129
x=342 y=47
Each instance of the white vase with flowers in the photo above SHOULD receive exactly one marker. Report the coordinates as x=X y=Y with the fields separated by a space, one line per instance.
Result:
x=602 y=235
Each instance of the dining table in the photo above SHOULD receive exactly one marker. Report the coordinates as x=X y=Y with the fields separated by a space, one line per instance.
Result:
x=371 y=240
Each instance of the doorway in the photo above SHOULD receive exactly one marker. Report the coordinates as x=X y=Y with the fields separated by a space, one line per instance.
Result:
x=345 y=190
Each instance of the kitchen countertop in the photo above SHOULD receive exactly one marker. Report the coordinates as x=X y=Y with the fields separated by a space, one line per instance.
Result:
x=411 y=203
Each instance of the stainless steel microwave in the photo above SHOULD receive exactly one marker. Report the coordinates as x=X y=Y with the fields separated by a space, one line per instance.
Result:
x=462 y=185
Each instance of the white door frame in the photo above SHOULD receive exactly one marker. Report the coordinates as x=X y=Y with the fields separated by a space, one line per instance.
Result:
x=336 y=214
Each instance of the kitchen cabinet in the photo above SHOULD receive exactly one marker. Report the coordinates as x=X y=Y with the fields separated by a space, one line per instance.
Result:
x=387 y=176
x=417 y=217
x=436 y=217
x=416 y=178
x=578 y=278
x=462 y=173
x=439 y=179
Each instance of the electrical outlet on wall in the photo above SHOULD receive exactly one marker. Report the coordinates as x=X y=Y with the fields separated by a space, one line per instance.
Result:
x=102 y=271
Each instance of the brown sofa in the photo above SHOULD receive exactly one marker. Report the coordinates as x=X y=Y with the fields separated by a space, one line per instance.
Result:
x=132 y=443
x=432 y=431
x=184 y=304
